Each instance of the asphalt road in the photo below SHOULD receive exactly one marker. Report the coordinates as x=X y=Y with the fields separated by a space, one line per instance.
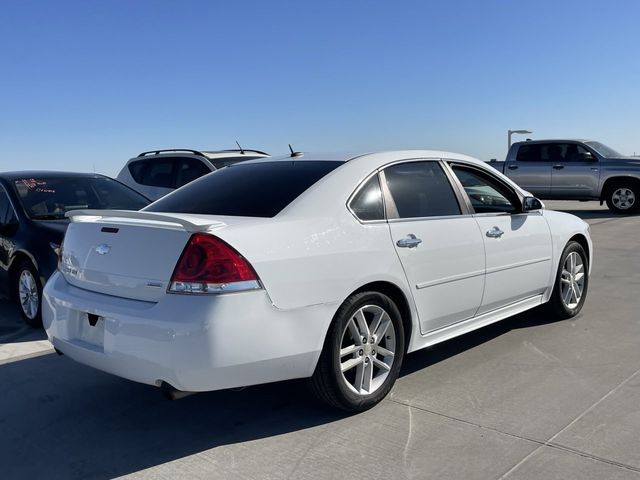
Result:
x=526 y=398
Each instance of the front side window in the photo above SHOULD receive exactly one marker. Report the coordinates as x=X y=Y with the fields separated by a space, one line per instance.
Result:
x=487 y=195
x=259 y=189
x=50 y=198
x=421 y=189
x=367 y=202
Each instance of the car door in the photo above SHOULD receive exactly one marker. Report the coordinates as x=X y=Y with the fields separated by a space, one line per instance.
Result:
x=7 y=245
x=576 y=175
x=531 y=169
x=437 y=241
x=517 y=245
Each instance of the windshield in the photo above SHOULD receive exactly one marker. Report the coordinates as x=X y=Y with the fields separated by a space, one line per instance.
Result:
x=603 y=150
x=50 y=198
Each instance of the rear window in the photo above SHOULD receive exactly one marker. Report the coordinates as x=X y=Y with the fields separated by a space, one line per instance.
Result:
x=246 y=189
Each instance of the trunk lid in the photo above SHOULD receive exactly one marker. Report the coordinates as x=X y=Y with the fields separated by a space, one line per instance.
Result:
x=127 y=254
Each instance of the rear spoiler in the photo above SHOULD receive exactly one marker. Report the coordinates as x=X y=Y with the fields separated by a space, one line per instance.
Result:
x=108 y=215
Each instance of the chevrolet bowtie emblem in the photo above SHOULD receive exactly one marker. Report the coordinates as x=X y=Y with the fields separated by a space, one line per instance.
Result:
x=103 y=249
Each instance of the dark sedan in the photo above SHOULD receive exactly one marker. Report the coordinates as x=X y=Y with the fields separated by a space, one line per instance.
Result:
x=33 y=223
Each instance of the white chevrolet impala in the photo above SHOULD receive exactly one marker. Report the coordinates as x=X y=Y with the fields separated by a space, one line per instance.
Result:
x=326 y=267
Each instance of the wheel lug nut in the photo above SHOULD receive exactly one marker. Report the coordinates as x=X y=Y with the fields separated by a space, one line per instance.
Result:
x=361 y=352
x=373 y=352
x=366 y=360
x=364 y=339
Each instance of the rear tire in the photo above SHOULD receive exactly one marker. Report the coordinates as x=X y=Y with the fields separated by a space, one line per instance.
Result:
x=623 y=197
x=571 y=283
x=362 y=353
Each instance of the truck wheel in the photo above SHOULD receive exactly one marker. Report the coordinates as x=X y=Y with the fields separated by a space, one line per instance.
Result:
x=623 y=197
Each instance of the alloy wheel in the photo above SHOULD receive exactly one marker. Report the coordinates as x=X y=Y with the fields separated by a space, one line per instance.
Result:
x=572 y=280
x=28 y=294
x=367 y=349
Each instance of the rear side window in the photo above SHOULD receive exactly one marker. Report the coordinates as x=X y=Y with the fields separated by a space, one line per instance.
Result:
x=367 y=202
x=246 y=189
x=529 y=153
x=421 y=189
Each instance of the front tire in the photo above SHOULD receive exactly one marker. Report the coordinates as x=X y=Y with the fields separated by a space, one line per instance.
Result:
x=571 y=283
x=623 y=198
x=362 y=354
x=28 y=291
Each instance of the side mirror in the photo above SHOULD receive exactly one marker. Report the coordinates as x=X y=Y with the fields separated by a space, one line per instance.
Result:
x=531 y=203
x=587 y=157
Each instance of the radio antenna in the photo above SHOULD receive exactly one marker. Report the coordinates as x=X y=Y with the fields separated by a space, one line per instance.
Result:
x=241 y=150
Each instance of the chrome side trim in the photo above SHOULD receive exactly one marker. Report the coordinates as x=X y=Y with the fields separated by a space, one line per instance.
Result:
x=464 y=276
x=517 y=265
x=452 y=278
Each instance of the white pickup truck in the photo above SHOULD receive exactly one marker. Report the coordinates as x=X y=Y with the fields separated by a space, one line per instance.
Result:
x=575 y=170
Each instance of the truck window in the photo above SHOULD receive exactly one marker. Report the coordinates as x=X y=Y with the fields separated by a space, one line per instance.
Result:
x=529 y=153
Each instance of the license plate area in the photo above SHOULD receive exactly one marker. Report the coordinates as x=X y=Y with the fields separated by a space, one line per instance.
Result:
x=91 y=329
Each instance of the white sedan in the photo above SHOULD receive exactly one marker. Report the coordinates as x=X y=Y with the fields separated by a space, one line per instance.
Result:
x=326 y=267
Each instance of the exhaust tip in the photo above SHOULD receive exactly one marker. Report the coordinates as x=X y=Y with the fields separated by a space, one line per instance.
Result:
x=171 y=393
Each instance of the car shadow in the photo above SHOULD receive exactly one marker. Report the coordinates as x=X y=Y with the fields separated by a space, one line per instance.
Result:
x=63 y=420
x=450 y=348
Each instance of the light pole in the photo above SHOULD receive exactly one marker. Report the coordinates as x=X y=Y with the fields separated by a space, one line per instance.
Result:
x=511 y=132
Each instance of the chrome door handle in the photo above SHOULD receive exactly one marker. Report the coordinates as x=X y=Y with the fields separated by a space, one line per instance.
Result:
x=558 y=167
x=594 y=169
x=410 y=241
x=495 y=232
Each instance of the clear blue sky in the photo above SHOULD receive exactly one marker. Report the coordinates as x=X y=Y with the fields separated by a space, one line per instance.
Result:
x=95 y=82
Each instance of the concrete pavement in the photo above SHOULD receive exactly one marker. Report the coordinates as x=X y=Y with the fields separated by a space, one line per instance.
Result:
x=523 y=399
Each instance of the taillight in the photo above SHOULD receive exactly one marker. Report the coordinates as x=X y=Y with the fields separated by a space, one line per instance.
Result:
x=210 y=265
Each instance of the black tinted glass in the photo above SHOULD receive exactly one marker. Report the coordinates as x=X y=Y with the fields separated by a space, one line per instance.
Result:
x=246 y=189
x=529 y=153
x=50 y=198
x=5 y=207
x=154 y=172
x=367 y=203
x=487 y=195
x=188 y=170
x=226 y=162
x=421 y=189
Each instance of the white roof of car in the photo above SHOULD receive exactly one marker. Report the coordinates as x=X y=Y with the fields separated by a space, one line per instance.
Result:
x=352 y=155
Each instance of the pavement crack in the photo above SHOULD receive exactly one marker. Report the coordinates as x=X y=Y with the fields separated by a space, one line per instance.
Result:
x=551 y=444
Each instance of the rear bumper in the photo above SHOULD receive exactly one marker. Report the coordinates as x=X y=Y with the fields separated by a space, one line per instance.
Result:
x=192 y=342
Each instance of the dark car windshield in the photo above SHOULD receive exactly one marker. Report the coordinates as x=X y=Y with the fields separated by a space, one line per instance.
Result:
x=260 y=189
x=603 y=150
x=49 y=198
